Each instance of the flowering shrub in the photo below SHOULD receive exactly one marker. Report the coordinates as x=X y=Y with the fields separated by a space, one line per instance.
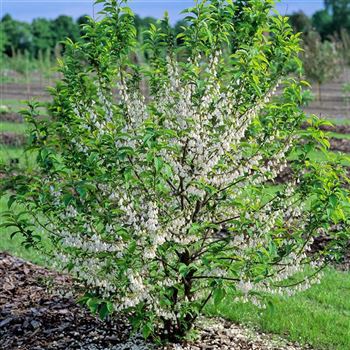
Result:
x=160 y=187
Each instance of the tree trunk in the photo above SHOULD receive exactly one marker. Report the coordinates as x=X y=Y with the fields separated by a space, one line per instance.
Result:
x=319 y=93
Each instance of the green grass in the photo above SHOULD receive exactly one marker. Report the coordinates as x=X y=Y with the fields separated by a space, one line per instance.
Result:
x=320 y=156
x=340 y=121
x=16 y=105
x=13 y=127
x=25 y=159
x=319 y=316
x=14 y=245
x=340 y=136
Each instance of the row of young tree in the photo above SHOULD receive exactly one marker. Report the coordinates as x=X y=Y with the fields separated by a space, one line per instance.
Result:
x=43 y=34
x=326 y=41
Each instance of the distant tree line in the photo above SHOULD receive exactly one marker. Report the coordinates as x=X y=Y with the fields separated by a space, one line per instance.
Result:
x=39 y=35
x=42 y=35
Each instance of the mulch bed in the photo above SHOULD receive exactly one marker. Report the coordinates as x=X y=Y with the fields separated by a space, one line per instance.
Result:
x=13 y=139
x=340 y=145
x=11 y=117
x=339 y=129
x=36 y=314
x=33 y=317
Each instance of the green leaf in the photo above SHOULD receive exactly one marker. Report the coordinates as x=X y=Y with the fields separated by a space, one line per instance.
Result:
x=93 y=304
x=219 y=295
x=184 y=269
x=103 y=311
x=11 y=200
x=128 y=11
x=158 y=163
x=147 y=330
x=67 y=199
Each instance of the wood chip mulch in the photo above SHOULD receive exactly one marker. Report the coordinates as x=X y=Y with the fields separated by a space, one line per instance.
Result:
x=13 y=139
x=35 y=316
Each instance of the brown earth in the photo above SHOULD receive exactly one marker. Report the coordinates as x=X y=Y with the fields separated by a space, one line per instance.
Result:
x=22 y=91
x=12 y=139
x=11 y=117
x=34 y=315
x=333 y=103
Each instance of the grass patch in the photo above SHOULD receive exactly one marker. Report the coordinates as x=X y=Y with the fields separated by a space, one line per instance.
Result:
x=18 y=105
x=13 y=127
x=319 y=316
x=343 y=158
x=14 y=245
x=15 y=105
x=340 y=136
x=340 y=121
x=319 y=156
x=25 y=159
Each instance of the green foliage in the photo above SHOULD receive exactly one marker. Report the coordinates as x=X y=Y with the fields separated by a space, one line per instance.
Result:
x=333 y=19
x=40 y=36
x=18 y=35
x=321 y=60
x=340 y=11
x=43 y=38
x=300 y=22
x=157 y=185
x=64 y=27
x=322 y=22
x=3 y=40
x=44 y=35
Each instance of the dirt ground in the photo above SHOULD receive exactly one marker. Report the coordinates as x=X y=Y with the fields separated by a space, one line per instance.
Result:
x=38 y=312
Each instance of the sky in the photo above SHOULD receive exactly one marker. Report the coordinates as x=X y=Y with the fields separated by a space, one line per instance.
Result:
x=26 y=10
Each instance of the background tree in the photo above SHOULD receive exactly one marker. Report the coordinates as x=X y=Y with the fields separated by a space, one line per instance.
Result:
x=43 y=36
x=143 y=23
x=321 y=60
x=64 y=27
x=19 y=36
x=340 y=12
x=322 y=22
x=3 y=40
x=300 y=22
